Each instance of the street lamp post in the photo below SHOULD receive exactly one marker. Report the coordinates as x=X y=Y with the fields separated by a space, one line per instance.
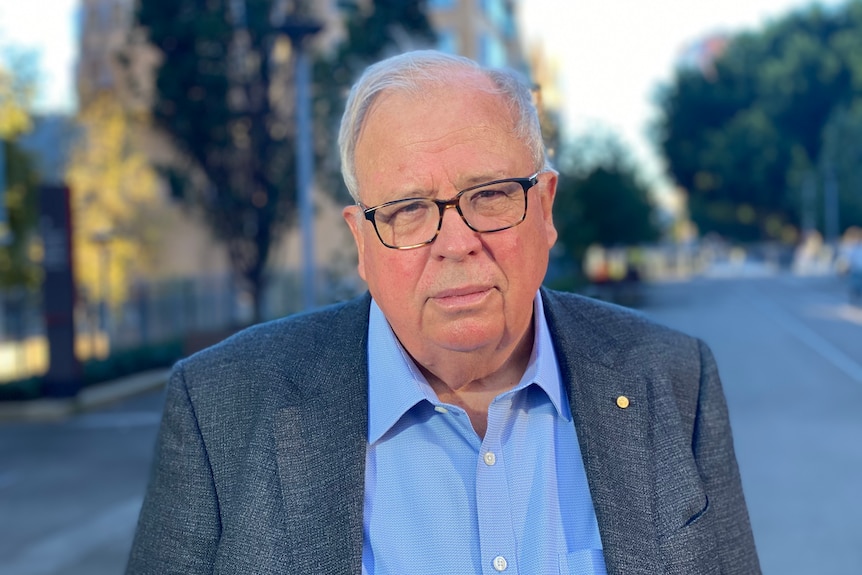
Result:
x=298 y=30
x=101 y=239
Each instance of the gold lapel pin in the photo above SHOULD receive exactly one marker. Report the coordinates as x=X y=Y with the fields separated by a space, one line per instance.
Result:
x=622 y=402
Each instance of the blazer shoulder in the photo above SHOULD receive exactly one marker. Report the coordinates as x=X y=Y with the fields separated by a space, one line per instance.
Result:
x=620 y=338
x=288 y=350
x=606 y=319
x=301 y=331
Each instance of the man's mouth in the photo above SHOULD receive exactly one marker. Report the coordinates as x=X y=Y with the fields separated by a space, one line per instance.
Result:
x=462 y=296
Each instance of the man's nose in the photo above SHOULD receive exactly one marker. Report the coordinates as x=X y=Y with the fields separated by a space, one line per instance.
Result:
x=456 y=239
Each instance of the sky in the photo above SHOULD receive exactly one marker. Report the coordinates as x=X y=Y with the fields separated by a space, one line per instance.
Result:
x=611 y=54
x=47 y=28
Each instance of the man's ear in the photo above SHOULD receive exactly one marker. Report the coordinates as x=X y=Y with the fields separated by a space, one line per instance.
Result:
x=549 y=193
x=353 y=216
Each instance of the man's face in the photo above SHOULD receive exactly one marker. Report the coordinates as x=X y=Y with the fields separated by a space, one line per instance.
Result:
x=466 y=291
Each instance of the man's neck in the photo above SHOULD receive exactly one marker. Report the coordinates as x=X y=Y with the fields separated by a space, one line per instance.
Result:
x=472 y=382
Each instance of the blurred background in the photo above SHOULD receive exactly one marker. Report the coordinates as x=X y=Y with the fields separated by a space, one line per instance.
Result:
x=169 y=175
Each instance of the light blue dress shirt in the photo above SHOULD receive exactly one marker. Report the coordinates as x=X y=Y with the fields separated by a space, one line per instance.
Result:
x=439 y=500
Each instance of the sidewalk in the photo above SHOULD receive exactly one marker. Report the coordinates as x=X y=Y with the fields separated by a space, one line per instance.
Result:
x=88 y=398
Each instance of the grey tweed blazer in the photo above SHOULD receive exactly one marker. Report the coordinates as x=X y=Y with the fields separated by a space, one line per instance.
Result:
x=260 y=456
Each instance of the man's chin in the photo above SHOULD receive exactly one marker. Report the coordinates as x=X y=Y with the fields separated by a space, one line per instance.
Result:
x=468 y=335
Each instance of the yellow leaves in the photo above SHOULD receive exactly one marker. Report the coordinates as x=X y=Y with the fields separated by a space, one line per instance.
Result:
x=13 y=120
x=14 y=100
x=114 y=193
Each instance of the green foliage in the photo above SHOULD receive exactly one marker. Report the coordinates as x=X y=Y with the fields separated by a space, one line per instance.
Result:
x=20 y=390
x=18 y=189
x=841 y=159
x=741 y=136
x=120 y=363
x=18 y=266
x=374 y=28
x=126 y=362
x=601 y=200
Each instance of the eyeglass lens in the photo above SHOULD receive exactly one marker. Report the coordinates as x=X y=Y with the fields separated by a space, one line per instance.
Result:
x=411 y=222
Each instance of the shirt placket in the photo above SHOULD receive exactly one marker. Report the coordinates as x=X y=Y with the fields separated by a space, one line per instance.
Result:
x=496 y=532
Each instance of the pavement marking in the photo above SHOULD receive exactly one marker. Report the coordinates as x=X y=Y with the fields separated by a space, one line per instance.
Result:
x=844 y=312
x=812 y=339
x=58 y=552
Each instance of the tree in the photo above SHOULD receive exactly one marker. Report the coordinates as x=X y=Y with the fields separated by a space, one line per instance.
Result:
x=742 y=139
x=222 y=94
x=18 y=255
x=18 y=187
x=841 y=160
x=217 y=98
x=16 y=95
x=600 y=198
x=114 y=201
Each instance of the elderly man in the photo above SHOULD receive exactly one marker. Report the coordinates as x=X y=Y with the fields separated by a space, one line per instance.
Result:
x=459 y=418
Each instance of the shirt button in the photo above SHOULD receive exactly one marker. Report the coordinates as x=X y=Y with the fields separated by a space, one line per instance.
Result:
x=500 y=563
x=491 y=459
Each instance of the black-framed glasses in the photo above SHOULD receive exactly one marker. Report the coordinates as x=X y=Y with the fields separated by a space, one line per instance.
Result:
x=489 y=207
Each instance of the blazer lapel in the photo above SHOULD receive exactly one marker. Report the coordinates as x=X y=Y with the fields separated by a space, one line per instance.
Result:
x=322 y=481
x=614 y=436
x=321 y=441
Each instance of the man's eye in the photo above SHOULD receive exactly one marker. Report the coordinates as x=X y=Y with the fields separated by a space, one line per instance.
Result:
x=490 y=194
x=411 y=208
x=403 y=211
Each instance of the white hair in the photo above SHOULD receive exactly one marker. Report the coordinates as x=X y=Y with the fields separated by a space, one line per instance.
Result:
x=410 y=72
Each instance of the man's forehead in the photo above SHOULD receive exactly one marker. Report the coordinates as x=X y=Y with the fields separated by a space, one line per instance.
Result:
x=402 y=118
x=461 y=132
x=462 y=85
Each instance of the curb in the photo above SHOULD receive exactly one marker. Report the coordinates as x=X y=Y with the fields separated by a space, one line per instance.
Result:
x=88 y=398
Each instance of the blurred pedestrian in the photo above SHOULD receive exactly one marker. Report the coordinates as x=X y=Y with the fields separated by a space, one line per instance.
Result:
x=458 y=418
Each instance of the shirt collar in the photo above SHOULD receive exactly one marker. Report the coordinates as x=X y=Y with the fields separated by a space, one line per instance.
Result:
x=395 y=383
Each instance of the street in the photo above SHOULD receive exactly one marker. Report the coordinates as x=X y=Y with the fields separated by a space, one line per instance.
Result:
x=790 y=354
x=70 y=491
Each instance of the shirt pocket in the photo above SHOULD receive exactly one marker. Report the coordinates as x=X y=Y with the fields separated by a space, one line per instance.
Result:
x=583 y=561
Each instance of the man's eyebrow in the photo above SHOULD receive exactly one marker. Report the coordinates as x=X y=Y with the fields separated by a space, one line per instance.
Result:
x=481 y=179
x=407 y=193
x=412 y=192
x=422 y=192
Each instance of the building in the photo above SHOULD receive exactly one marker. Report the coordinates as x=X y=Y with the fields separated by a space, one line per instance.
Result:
x=484 y=30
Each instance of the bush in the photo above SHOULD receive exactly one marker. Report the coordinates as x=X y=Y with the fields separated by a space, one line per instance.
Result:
x=30 y=388
x=119 y=364
x=129 y=361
